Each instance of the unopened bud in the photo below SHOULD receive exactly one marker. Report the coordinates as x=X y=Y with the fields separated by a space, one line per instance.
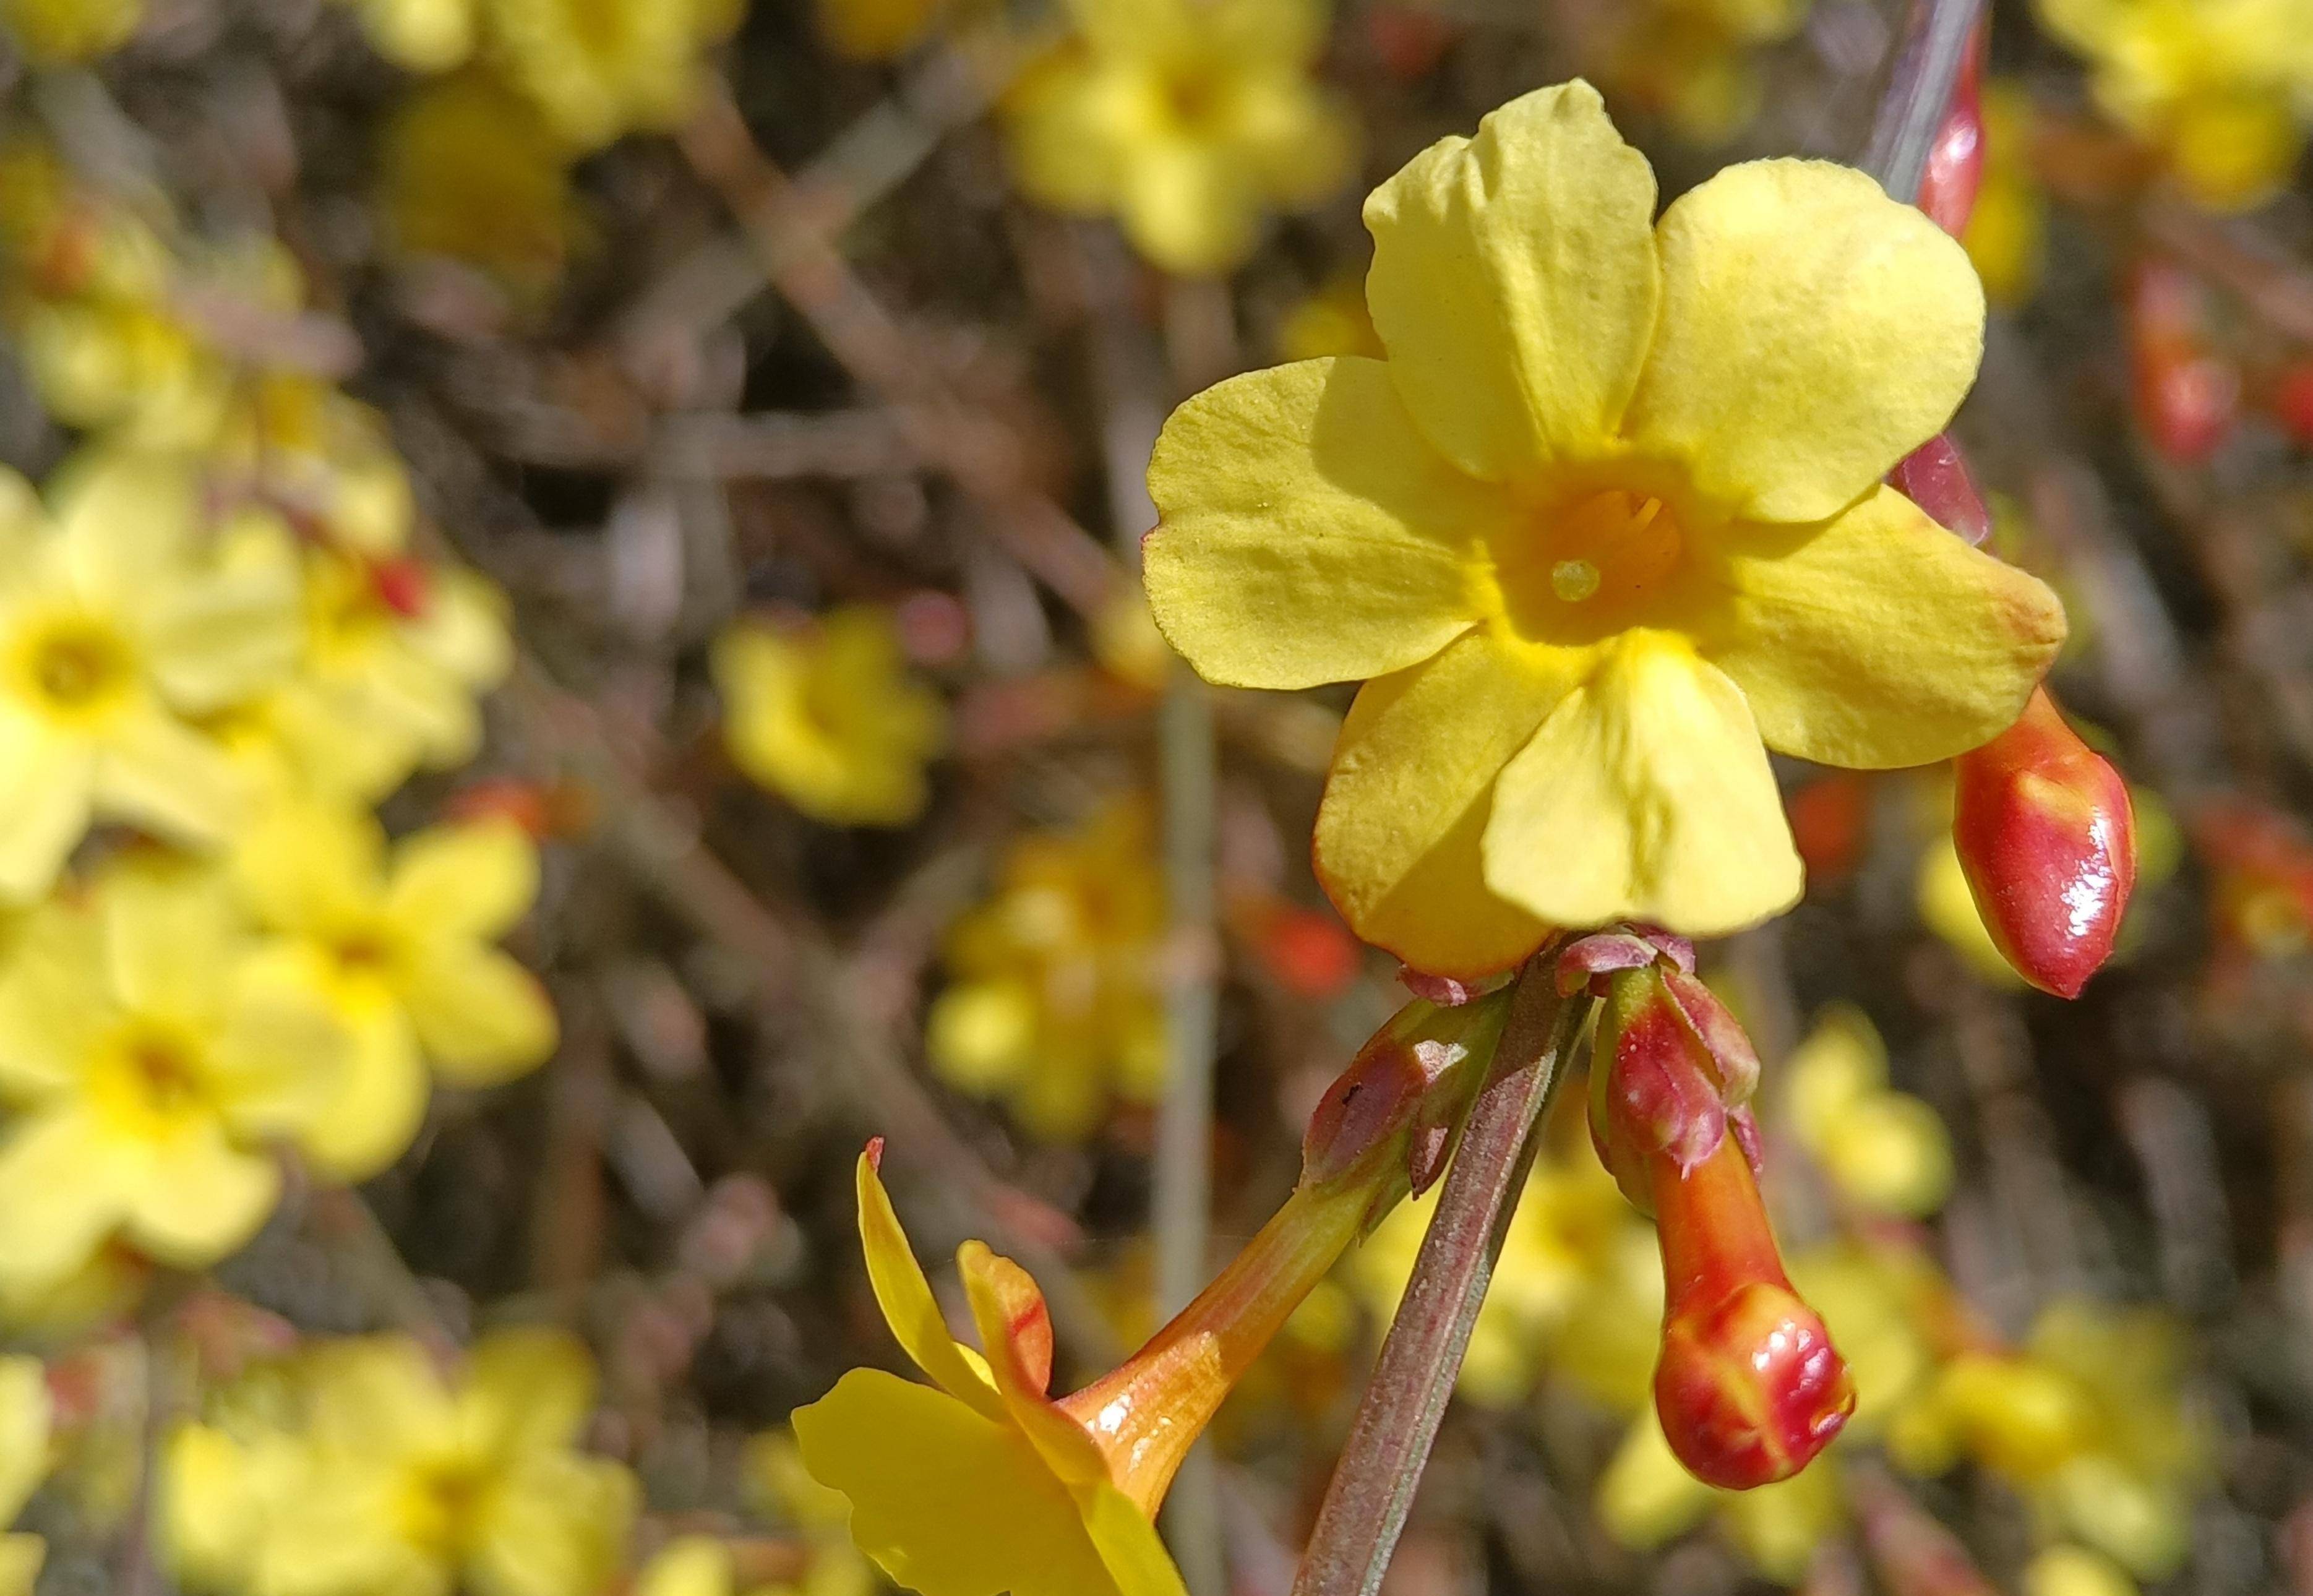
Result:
x=1749 y=1388
x=1670 y=1062
x=2047 y=838
x=1935 y=477
x=1389 y=1117
x=2186 y=396
x=1955 y=169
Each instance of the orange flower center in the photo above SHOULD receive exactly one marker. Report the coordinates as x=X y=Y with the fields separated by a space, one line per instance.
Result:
x=1581 y=570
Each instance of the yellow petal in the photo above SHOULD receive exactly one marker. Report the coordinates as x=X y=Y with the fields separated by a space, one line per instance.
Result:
x=214 y=639
x=1190 y=208
x=1813 y=333
x=905 y=1296
x=200 y=1198
x=46 y=786
x=156 y=771
x=61 y=1189
x=557 y=1525
x=312 y=867
x=126 y=517
x=170 y=928
x=1646 y=1496
x=378 y=1393
x=527 y=1389
x=1411 y=789
x=1128 y=1545
x=1514 y=283
x=473 y=880
x=379 y=1103
x=1016 y=1330
x=946 y=1502
x=55 y=1002
x=480 y=1016
x=1876 y=639
x=1646 y=795
x=1309 y=534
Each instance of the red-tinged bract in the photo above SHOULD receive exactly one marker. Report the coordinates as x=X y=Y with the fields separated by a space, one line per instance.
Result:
x=2047 y=839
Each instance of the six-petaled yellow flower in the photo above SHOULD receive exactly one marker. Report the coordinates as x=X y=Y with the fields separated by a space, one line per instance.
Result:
x=121 y=618
x=398 y=947
x=152 y=1066
x=1186 y=119
x=1606 y=525
x=829 y=716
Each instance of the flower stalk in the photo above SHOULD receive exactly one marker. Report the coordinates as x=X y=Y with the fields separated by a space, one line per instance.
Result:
x=1373 y=1485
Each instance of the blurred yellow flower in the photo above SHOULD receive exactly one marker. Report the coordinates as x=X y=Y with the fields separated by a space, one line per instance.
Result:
x=2005 y=235
x=121 y=618
x=1186 y=119
x=1885 y=1150
x=151 y=1065
x=422 y=35
x=2088 y=1422
x=1692 y=62
x=2076 y=1571
x=2219 y=87
x=821 y=1516
x=50 y=32
x=372 y=1476
x=1331 y=320
x=1606 y=525
x=601 y=68
x=829 y=716
x=470 y=170
x=398 y=948
x=1574 y=1246
x=1055 y=1000
x=26 y=1416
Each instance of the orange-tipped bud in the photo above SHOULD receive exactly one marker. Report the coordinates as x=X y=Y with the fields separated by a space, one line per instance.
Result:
x=1948 y=189
x=2187 y=396
x=2046 y=837
x=1749 y=1388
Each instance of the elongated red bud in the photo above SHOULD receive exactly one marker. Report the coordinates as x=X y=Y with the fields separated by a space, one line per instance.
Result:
x=1749 y=1388
x=2187 y=396
x=2047 y=839
x=1955 y=171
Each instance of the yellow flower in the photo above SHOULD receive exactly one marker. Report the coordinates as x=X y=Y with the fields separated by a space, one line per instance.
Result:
x=2217 y=85
x=396 y=651
x=876 y=29
x=470 y=170
x=151 y=1065
x=821 y=1517
x=982 y=1484
x=2089 y=1423
x=398 y=948
x=1055 y=1000
x=379 y=1478
x=2005 y=235
x=1885 y=1150
x=116 y=627
x=829 y=717
x=1184 y=119
x=1692 y=60
x=1333 y=320
x=53 y=31
x=1573 y=1241
x=600 y=68
x=1606 y=525
x=2076 y=1571
x=422 y=35
x=26 y=1414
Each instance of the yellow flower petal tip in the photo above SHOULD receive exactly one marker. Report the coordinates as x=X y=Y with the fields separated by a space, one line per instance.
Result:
x=1603 y=526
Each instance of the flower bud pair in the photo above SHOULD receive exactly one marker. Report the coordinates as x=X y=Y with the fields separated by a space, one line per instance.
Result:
x=1748 y=1387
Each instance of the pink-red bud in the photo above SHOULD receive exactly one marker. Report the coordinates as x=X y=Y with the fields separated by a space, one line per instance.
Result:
x=2186 y=396
x=1389 y=1116
x=1955 y=171
x=1935 y=477
x=1749 y=1388
x=2047 y=839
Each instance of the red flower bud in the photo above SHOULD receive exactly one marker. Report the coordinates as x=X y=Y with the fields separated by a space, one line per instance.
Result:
x=402 y=585
x=1829 y=817
x=1955 y=159
x=2047 y=839
x=1935 y=477
x=1401 y=1096
x=1749 y=1387
x=2291 y=402
x=1670 y=1061
x=2186 y=396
